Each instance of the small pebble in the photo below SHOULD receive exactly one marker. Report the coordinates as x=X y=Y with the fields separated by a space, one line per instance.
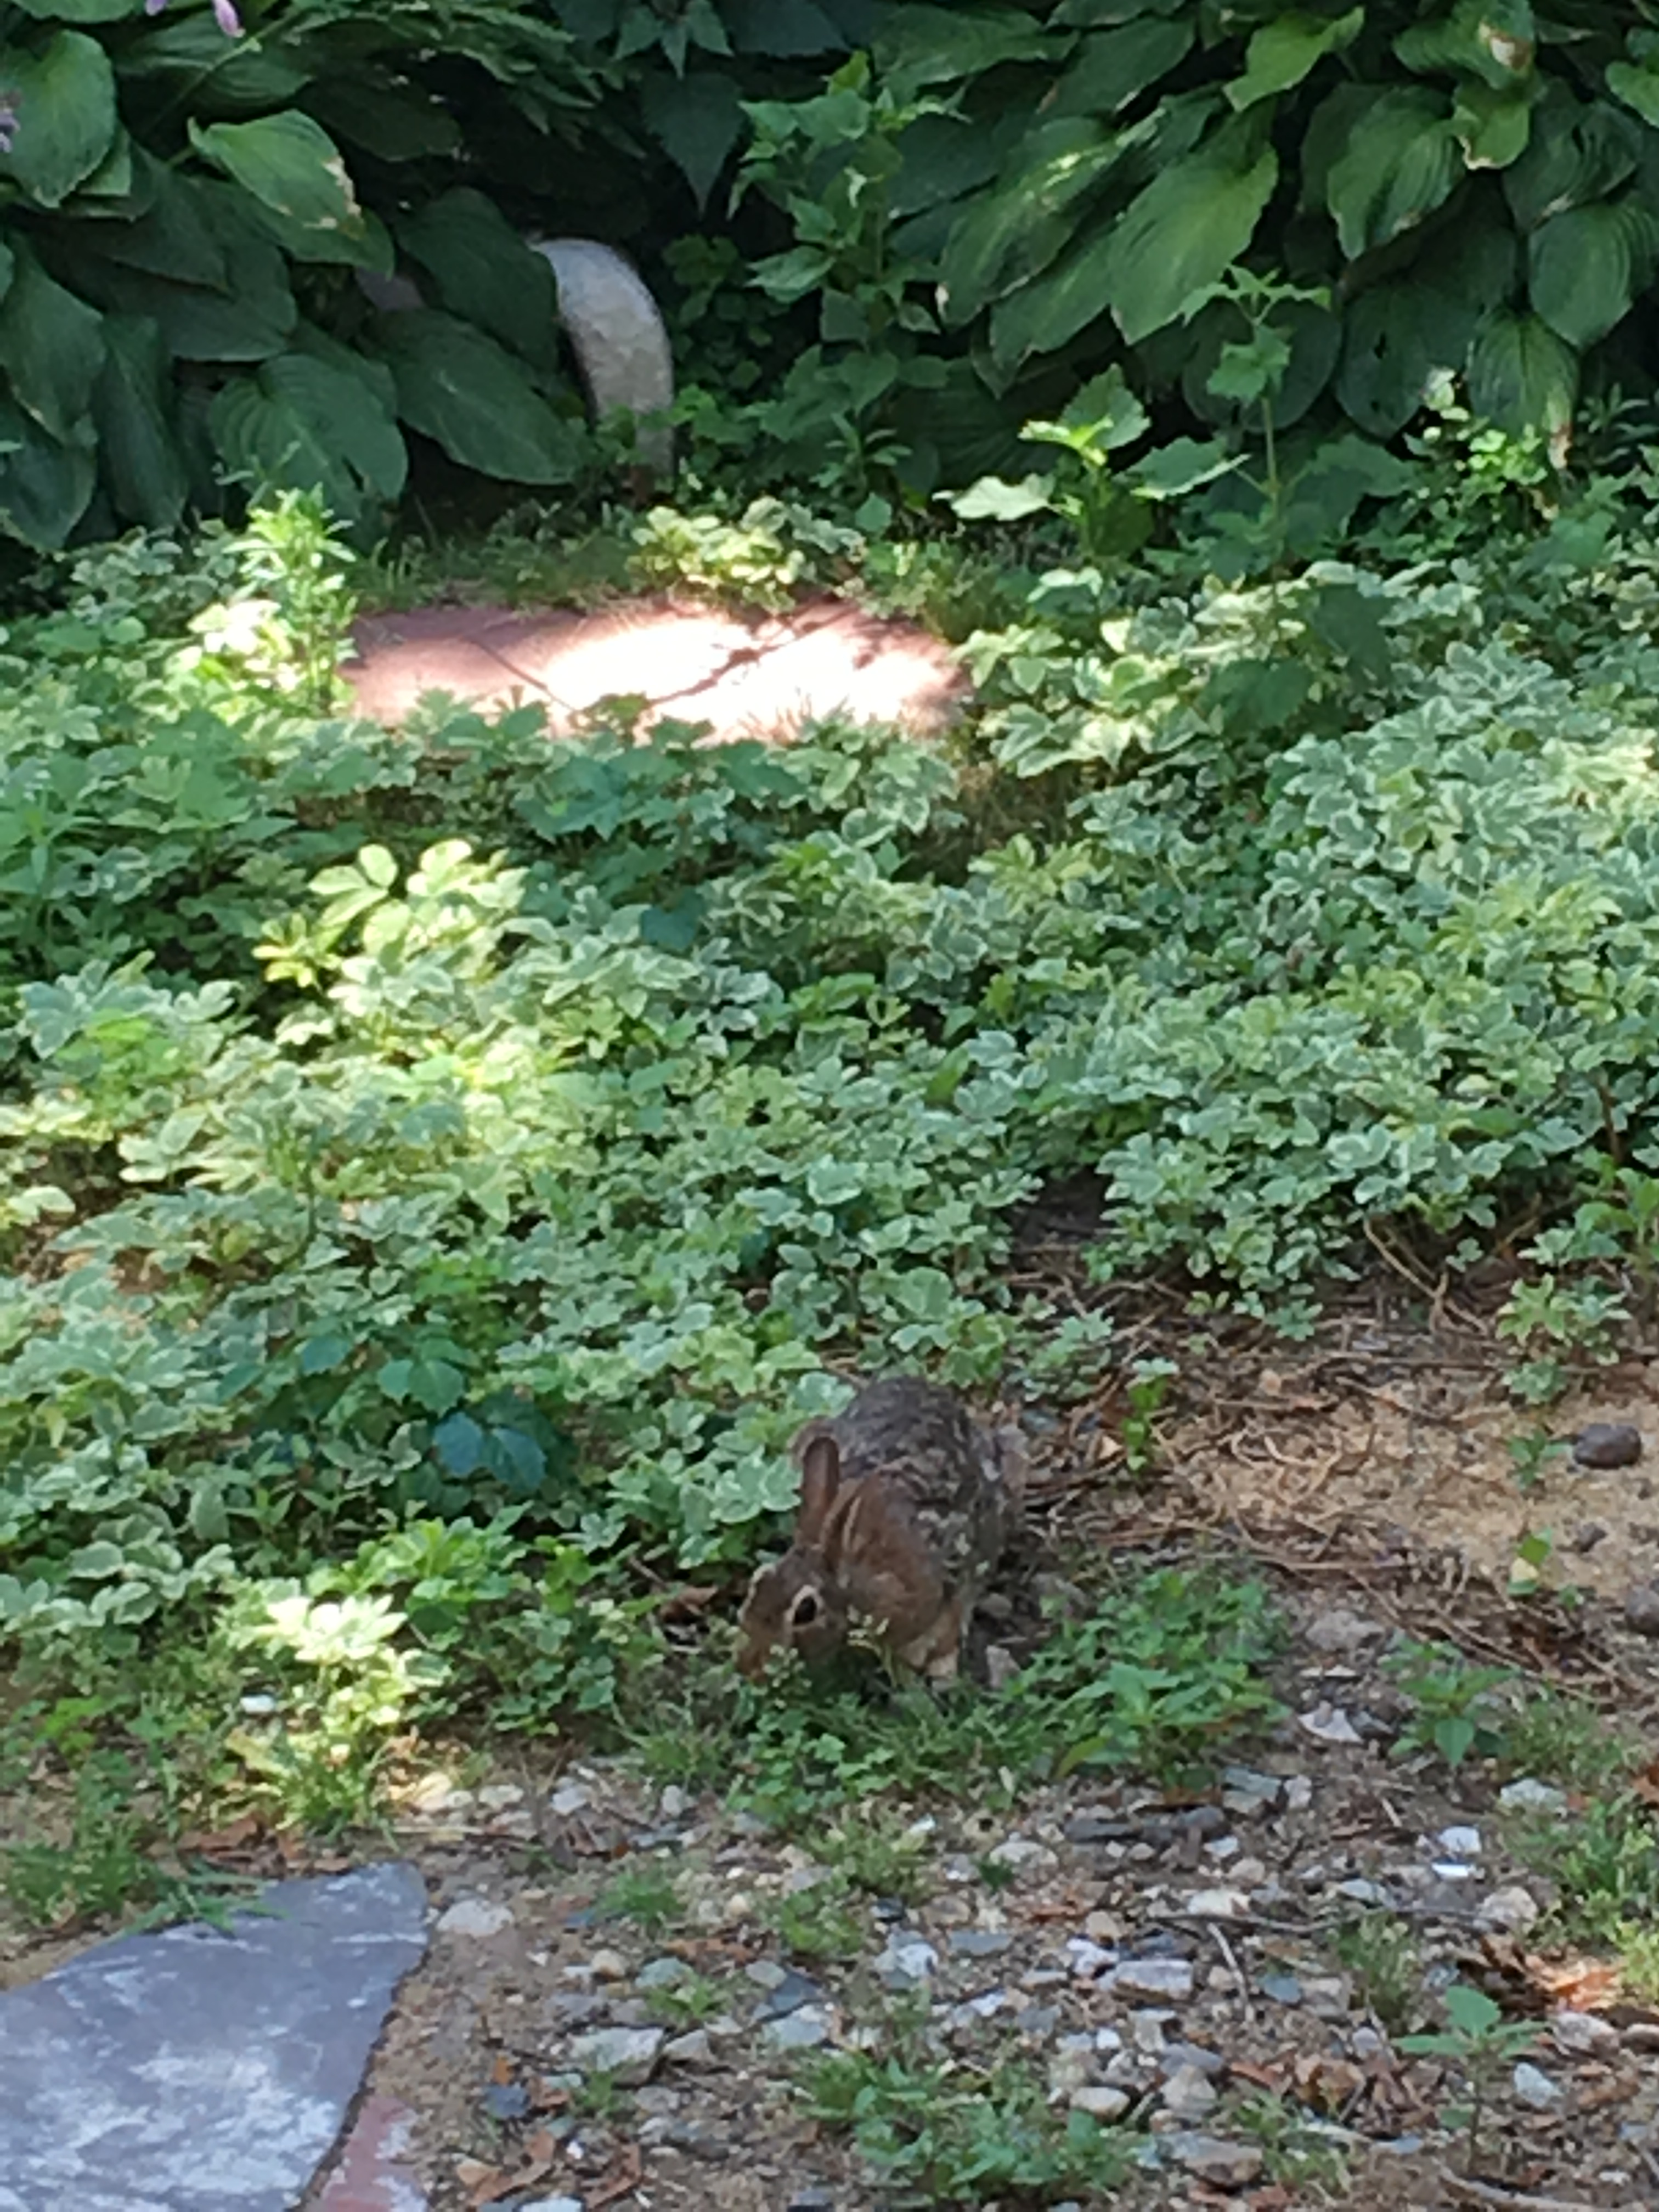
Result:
x=1582 y=2035
x=1099 y=2100
x=570 y=1797
x=1510 y=1912
x=1153 y=1977
x=906 y=1962
x=629 y=2055
x=1338 y=1631
x=1329 y=1724
x=1189 y=2094
x=475 y=1916
x=609 y=1966
x=1607 y=1444
x=1217 y=1903
x=1534 y=2088
x=1459 y=1842
x=978 y=1942
x=1530 y=1796
x=1213 y=2160
x=692 y=2050
x=506 y=2100
x=551 y=2204
x=806 y=2030
x=663 y=1974
x=1283 y=1989
x=1642 y=1609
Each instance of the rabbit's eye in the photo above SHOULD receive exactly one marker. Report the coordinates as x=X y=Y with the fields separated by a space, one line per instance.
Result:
x=806 y=1609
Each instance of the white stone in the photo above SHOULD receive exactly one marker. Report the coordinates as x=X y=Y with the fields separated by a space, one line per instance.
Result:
x=617 y=334
x=475 y=1916
x=1582 y=2035
x=1224 y=2165
x=1217 y=1903
x=1087 y=1959
x=628 y=2055
x=1459 y=1842
x=1153 y=1977
x=1530 y=1796
x=609 y=1966
x=1298 y=1793
x=1510 y=1912
x=1329 y=1724
x=805 y=2030
x=1534 y=2088
x=570 y=1797
x=907 y=1961
x=1100 y=2100
x=1188 y=2094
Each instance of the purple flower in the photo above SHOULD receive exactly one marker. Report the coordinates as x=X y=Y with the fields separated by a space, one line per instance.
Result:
x=224 y=15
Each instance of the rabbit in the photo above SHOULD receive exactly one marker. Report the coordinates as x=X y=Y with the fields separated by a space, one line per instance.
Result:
x=906 y=1502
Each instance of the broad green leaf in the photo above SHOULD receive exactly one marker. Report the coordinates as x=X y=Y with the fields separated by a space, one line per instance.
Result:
x=697 y=119
x=1115 y=67
x=1397 y=336
x=1172 y=470
x=1282 y=53
x=1310 y=335
x=1639 y=88
x=107 y=192
x=943 y=46
x=52 y=348
x=1095 y=14
x=1493 y=41
x=44 y=486
x=75 y=11
x=1521 y=375
x=394 y=122
x=1400 y=163
x=1586 y=265
x=1009 y=234
x=782 y=27
x=460 y=388
x=942 y=158
x=995 y=500
x=343 y=409
x=188 y=55
x=459 y=1444
x=171 y=235
x=1575 y=153
x=304 y=425
x=484 y=272
x=289 y=165
x=1179 y=234
x=248 y=319
x=1491 y=127
x=65 y=99
x=1470 y=2009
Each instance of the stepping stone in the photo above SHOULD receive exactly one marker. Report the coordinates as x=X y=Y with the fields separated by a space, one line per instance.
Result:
x=197 y=2071
x=760 y=676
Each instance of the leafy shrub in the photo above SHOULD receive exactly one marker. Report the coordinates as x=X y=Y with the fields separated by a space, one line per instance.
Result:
x=184 y=204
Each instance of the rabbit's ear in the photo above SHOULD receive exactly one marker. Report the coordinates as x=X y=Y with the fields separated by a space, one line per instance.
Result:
x=820 y=1478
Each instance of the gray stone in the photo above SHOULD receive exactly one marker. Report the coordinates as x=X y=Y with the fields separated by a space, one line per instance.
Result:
x=1283 y=1989
x=553 y=2204
x=1583 y=2035
x=197 y=2071
x=1100 y=2100
x=693 y=2049
x=811 y=2200
x=1607 y=1444
x=1530 y=1796
x=663 y=1974
x=1642 y=1609
x=1153 y=1977
x=628 y=2055
x=978 y=1942
x=907 y=1961
x=1217 y=1903
x=479 y=1917
x=618 y=335
x=788 y=1996
x=1338 y=1630
x=805 y=2030
x=1211 y=2159
x=1176 y=2055
x=1534 y=2088
x=1189 y=2094
x=1510 y=1912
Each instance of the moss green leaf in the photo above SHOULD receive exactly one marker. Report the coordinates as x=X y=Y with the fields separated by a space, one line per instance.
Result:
x=65 y=100
x=484 y=272
x=45 y=487
x=1115 y=67
x=1282 y=53
x=1398 y=164
x=287 y=163
x=1586 y=265
x=1178 y=235
x=1521 y=375
x=52 y=348
x=460 y=388
x=141 y=466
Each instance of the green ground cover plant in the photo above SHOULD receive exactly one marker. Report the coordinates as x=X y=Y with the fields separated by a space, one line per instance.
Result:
x=439 y=1167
